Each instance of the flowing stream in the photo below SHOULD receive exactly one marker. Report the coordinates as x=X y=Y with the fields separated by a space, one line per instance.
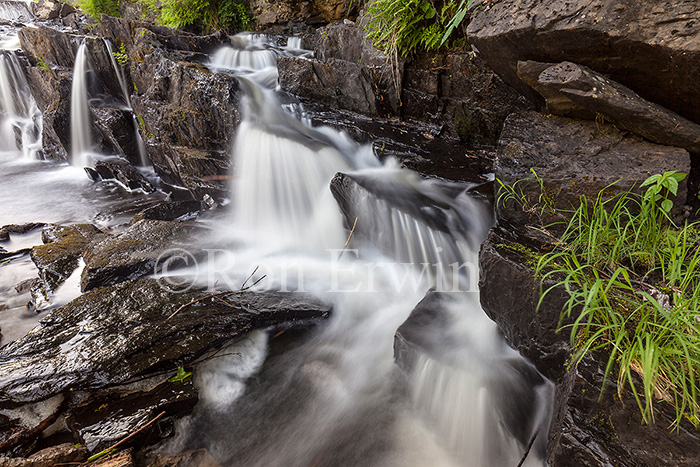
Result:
x=458 y=396
x=312 y=212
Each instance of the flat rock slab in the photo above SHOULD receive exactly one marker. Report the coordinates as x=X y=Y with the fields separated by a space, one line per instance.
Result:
x=113 y=334
x=651 y=47
x=572 y=159
x=133 y=253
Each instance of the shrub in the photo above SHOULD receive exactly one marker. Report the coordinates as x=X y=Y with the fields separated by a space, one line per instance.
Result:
x=225 y=15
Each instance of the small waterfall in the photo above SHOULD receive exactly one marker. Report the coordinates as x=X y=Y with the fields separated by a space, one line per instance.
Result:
x=15 y=11
x=80 y=116
x=294 y=43
x=20 y=119
x=246 y=52
x=333 y=400
x=119 y=72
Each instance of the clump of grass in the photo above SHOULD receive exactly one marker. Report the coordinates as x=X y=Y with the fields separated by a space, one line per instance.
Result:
x=633 y=278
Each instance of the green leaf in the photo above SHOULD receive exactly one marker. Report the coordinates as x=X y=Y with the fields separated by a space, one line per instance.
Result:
x=666 y=205
x=672 y=185
x=180 y=376
x=653 y=179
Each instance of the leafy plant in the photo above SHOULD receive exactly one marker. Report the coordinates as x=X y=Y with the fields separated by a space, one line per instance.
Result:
x=226 y=15
x=121 y=56
x=514 y=193
x=95 y=8
x=633 y=279
x=180 y=376
x=43 y=66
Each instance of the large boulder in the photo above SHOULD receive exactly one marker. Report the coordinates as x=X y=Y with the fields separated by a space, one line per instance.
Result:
x=50 y=9
x=569 y=89
x=590 y=424
x=618 y=39
x=110 y=335
x=570 y=159
x=48 y=46
x=51 y=90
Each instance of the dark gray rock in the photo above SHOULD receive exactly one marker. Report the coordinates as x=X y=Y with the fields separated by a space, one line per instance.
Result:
x=133 y=253
x=51 y=90
x=106 y=416
x=198 y=458
x=50 y=45
x=119 y=132
x=573 y=159
x=169 y=211
x=124 y=173
x=621 y=40
x=585 y=89
x=335 y=83
x=66 y=453
x=110 y=335
x=589 y=427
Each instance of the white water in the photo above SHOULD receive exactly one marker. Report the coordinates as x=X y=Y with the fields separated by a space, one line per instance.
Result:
x=20 y=119
x=14 y=11
x=339 y=398
x=80 y=117
x=119 y=72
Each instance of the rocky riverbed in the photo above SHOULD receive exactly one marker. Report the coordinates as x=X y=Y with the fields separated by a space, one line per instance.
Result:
x=103 y=345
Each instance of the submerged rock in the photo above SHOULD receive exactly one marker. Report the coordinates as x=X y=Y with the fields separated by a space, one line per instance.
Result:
x=110 y=335
x=650 y=47
x=574 y=158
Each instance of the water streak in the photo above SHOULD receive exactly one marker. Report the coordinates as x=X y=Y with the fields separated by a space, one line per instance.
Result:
x=21 y=121
x=80 y=116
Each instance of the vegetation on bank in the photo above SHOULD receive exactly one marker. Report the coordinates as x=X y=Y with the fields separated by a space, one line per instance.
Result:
x=204 y=15
x=633 y=278
x=400 y=27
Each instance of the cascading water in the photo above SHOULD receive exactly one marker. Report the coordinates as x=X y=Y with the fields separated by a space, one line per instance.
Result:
x=14 y=11
x=20 y=118
x=80 y=117
x=338 y=398
x=119 y=72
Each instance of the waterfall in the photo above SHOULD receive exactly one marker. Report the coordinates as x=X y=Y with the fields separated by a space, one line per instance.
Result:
x=458 y=396
x=80 y=117
x=14 y=11
x=20 y=119
x=119 y=72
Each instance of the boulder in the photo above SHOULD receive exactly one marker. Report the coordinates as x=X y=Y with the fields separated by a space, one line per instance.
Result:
x=198 y=458
x=50 y=9
x=571 y=159
x=617 y=39
x=136 y=252
x=590 y=424
x=47 y=45
x=124 y=173
x=66 y=453
x=578 y=89
x=110 y=335
x=334 y=83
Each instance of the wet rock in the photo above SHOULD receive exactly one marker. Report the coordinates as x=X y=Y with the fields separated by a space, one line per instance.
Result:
x=56 y=455
x=169 y=211
x=110 y=415
x=587 y=428
x=47 y=44
x=21 y=228
x=4 y=235
x=104 y=82
x=49 y=9
x=112 y=334
x=335 y=83
x=59 y=256
x=119 y=131
x=618 y=39
x=136 y=252
x=124 y=173
x=585 y=89
x=572 y=159
x=198 y=458
x=51 y=90
x=27 y=285
x=118 y=459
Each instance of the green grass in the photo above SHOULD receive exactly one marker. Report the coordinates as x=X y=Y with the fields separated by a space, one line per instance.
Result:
x=633 y=278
